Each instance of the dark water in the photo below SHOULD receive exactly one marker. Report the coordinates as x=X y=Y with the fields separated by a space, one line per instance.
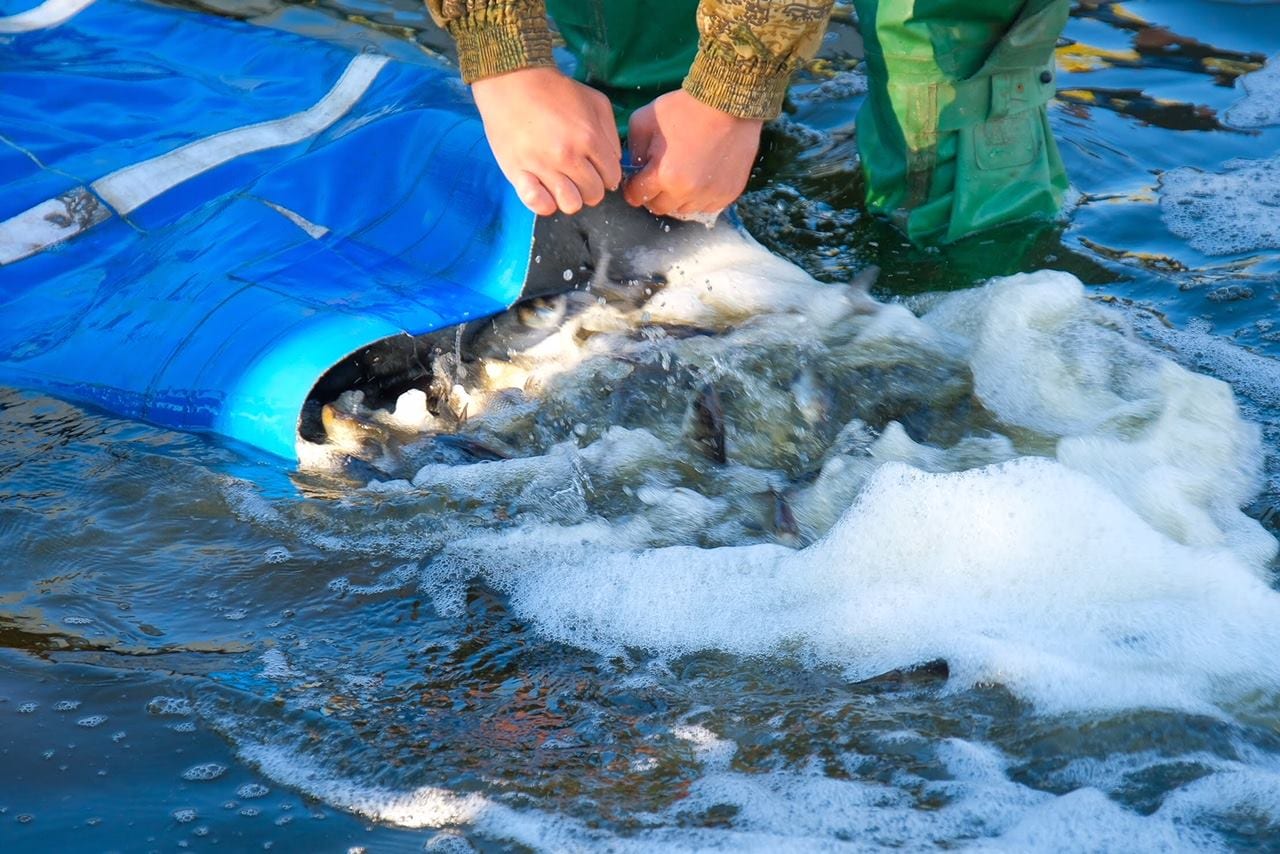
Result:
x=202 y=648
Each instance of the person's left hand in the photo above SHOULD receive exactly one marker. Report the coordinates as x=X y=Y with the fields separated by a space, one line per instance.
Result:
x=695 y=159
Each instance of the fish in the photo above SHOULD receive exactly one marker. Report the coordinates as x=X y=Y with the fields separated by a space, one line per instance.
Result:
x=709 y=424
x=525 y=326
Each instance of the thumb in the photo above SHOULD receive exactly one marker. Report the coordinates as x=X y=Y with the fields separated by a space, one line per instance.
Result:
x=642 y=186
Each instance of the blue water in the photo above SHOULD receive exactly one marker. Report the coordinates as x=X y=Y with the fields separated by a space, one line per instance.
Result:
x=204 y=648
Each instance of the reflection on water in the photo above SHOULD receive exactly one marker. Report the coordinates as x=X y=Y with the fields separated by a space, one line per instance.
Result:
x=530 y=652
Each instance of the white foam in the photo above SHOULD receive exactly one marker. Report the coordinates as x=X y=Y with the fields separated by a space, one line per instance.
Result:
x=1228 y=795
x=411 y=411
x=1224 y=213
x=1121 y=574
x=729 y=277
x=976 y=806
x=1086 y=820
x=1045 y=583
x=1260 y=105
x=1170 y=442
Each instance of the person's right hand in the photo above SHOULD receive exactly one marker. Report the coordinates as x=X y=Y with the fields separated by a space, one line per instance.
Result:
x=553 y=137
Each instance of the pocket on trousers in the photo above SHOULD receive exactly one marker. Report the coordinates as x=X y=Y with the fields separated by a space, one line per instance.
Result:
x=1009 y=141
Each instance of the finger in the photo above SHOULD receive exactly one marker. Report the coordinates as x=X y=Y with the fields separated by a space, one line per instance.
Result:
x=568 y=199
x=662 y=205
x=609 y=168
x=589 y=182
x=535 y=196
x=642 y=186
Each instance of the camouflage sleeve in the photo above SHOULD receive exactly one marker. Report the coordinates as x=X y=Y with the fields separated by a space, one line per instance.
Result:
x=749 y=49
x=495 y=36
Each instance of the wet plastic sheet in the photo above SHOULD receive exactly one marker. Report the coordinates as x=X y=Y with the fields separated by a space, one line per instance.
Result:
x=199 y=216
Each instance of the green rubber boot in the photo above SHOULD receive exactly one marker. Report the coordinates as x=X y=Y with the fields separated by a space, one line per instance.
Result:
x=954 y=135
x=631 y=50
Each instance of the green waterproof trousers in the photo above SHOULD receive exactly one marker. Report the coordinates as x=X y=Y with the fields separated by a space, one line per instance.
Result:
x=953 y=136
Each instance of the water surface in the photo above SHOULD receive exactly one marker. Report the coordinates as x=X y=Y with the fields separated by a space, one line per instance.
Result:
x=203 y=647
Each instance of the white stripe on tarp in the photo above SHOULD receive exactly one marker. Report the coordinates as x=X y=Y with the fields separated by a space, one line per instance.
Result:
x=50 y=222
x=312 y=229
x=46 y=15
x=56 y=220
x=136 y=185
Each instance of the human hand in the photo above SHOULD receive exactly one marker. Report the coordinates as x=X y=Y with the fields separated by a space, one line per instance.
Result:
x=696 y=159
x=554 y=138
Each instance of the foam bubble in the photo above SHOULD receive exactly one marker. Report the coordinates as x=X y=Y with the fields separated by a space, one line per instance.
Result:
x=1224 y=213
x=277 y=555
x=169 y=706
x=711 y=750
x=249 y=791
x=276 y=666
x=204 y=772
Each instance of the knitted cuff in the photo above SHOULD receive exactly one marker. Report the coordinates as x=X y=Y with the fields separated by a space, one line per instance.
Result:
x=502 y=38
x=746 y=88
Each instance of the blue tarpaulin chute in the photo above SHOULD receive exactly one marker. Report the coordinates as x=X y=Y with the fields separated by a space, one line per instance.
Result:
x=199 y=216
